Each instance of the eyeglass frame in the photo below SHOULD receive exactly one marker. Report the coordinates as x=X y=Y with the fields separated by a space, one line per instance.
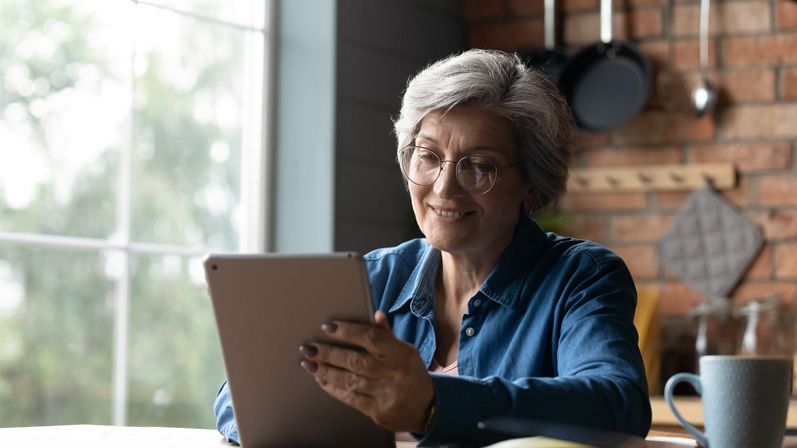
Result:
x=498 y=168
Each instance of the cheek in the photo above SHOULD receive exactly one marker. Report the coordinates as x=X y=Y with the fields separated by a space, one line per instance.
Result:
x=416 y=198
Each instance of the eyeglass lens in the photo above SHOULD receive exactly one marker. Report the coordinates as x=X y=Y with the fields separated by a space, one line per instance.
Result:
x=423 y=167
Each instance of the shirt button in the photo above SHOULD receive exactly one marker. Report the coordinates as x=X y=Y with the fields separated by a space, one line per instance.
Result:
x=477 y=302
x=470 y=331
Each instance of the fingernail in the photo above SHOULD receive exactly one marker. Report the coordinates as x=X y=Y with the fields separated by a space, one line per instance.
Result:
x=329 y=327
x=308 y=350
x=310 y=366
x=320 y=381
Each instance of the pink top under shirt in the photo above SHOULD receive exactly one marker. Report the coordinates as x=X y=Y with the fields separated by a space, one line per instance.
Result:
x=450 y=369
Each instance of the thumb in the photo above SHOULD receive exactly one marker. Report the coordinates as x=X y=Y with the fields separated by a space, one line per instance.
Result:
x=380 y=320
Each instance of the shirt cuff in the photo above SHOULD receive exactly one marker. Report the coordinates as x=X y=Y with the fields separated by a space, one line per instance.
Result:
x=462 y=402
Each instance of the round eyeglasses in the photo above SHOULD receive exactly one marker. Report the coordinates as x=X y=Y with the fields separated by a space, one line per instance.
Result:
x=474 y=174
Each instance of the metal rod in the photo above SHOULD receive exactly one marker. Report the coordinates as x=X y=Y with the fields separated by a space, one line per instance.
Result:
x=705 y=6
x=606 y=21
x=550 y=24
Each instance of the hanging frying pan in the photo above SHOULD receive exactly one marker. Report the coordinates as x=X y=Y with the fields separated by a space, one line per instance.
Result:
x=550 y=59
x=606 y=84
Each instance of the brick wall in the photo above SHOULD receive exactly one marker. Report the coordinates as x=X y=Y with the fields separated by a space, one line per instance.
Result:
x=753 y=55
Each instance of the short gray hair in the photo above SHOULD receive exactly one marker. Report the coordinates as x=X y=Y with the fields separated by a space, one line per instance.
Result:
x=500 y=83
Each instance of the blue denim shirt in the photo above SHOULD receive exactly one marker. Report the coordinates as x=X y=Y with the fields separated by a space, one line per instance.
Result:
x=549 y=335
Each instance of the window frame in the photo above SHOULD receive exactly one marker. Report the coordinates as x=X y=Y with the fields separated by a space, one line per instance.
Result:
x=256 y=200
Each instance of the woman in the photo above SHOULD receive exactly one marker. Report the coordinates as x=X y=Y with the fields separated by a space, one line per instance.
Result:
x=488 y=315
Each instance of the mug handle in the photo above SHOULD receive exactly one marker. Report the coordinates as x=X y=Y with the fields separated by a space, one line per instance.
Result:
x=694 y=380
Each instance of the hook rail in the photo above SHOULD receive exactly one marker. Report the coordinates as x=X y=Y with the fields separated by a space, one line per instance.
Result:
x=721 y=176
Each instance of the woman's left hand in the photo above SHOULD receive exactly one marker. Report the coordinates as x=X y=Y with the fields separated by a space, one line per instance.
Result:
x=385 y=379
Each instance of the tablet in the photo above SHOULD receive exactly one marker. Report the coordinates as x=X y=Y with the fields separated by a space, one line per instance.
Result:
x=265 y=307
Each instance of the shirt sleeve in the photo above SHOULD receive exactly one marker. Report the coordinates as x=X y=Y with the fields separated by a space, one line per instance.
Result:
x=225 y=420
x=599 y=382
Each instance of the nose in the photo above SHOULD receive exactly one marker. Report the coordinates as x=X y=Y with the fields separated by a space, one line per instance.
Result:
x=447 y=185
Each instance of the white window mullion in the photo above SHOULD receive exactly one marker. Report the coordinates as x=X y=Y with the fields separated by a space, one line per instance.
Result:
x=124 y=218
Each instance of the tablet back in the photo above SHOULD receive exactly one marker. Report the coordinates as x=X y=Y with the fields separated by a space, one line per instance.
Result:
x=265 y=307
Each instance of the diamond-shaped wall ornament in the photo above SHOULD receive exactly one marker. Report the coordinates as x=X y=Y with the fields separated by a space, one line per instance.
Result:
x=710 y=244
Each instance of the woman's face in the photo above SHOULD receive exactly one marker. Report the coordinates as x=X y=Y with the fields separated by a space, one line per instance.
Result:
x=452 y=219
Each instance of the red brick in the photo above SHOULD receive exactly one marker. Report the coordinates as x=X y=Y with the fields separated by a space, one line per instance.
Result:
x=646 y=2
x=653 y=127
x=786 y=261
x=526 y=7
x=760 y=121
x=604 y=201
x=740 y=195
x=589 y=140
x=587 y=227
x=730 y=17
x=751 y=157
x=576 y=5
x=777 y=224
x=475 y=10
x=508 y=36
x=746 y=85
x=778 y=190
x=613 y=156
x=748 y=291
x=789 y=83
x=668 y=200
x=641 y=260
x=677 y=299
x=638 y=24
x=760 y=50
x=686 y=54
x=638 y=228
x=761 y=268
x=658 y=52
x=581 y=29
x=786 y=15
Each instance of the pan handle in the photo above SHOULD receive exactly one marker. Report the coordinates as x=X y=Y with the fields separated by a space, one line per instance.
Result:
x=606 y=21
x=550 y=25
x=705 y=8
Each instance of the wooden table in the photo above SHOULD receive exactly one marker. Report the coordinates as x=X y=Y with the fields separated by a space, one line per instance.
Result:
x=96 y=436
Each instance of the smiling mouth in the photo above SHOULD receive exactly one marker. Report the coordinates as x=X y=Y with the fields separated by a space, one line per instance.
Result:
x=449 y=214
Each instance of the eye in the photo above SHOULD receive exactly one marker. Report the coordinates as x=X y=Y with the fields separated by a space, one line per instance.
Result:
x=424 y=154
x=482 y=164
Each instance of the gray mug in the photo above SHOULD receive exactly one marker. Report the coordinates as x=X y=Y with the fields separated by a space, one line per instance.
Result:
x=745 y=400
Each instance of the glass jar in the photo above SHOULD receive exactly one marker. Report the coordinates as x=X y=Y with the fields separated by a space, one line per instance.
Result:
x=762 y=332
x=714 y=327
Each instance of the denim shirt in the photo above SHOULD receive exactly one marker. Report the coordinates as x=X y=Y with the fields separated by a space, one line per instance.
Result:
x=549 y=335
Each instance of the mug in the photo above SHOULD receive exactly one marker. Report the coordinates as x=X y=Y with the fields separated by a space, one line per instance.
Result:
x=745 y=400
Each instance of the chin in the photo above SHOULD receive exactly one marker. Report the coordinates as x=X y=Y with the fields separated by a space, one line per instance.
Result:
x=447 y=243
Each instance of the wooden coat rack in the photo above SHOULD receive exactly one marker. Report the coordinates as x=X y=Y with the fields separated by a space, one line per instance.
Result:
x=651 y=178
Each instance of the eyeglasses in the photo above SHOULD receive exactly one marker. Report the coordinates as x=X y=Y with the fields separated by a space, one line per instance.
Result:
x=475 y=174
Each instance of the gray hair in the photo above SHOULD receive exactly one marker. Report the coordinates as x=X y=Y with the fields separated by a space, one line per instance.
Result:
x=500 y=83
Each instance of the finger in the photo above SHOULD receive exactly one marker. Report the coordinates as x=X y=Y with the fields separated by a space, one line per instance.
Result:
x=369 y=337
x=356 y=361
x=343 y=379
x=380 y=319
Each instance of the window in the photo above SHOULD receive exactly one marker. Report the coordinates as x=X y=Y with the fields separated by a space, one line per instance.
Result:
x=131 y=143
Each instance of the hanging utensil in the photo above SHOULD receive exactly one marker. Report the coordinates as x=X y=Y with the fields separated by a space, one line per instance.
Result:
x=606 y=84
x=704 y=95
x=550 y=59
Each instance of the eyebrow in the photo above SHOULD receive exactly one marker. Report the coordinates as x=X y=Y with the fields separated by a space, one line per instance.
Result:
x=468 y=149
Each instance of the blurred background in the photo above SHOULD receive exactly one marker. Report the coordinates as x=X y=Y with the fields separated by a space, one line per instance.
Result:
x=137 y=136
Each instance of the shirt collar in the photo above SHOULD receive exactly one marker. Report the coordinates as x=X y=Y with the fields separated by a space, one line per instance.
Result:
x=505 y=282
x=503 y=285
x=420 y=285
